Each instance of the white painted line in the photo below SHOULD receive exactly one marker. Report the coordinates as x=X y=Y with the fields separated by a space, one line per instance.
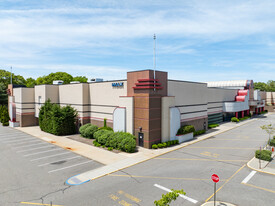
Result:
x=17 y=140
x=40 y=158
x=42 y=152
x=58 y=161
x=181 y=195
x=70 y=166
x=29 y=144
x=34 y=148
x=249 y=177
x=11 y=137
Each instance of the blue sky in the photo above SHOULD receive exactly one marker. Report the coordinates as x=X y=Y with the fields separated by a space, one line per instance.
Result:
x=196 y=40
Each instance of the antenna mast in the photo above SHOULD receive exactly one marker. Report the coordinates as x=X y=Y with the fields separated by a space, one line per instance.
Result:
x=11 y=75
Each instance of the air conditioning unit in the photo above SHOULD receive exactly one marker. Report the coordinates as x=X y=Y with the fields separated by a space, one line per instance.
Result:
x=95 y=80
x=58 y=82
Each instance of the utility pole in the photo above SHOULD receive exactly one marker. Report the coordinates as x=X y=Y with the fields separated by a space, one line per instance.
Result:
x=11 y=75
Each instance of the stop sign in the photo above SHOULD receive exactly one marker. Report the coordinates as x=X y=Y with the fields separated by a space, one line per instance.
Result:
x=215 y=178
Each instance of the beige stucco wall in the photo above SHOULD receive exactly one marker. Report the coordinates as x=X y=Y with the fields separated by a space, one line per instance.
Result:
x=166 y=103
x=270 y=98
x=45 y=92
x=216 y=97
x=24 y=100
x=104 y=99
x=190 y=98
x=128 y=103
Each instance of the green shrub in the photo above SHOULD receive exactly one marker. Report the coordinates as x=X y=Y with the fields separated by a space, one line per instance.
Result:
x=105 y=122
x=128 y=144
x=213 y=125
x=154 y=146
x=234 y=119
x=160 y=145
x=96 y=144
x=110 y=148
x=57 y=120
x=164 y=144
x=83 y=127
x=272 y=142
x=244 y=118
x=5 y=116
x=104 y=137
x=263 y=155
x=99 y=133
x=106 y=128
x=89 y=131
x=186 y=129
x=199 y=132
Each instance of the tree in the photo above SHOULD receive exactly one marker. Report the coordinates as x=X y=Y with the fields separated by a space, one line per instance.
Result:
x=3 y=94
x=260 y=86
x=81 y=79
x=65 y=77
x=270 y=129
x=270 y=86
x=168 y=198
x=30 y=82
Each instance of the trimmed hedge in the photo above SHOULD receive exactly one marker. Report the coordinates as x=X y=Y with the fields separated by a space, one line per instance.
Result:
x=57 y=120
x=186 y=129
x=263 y=155
x=83 y=127
x=116 y=140
x=165 y=144
x=89 y=131
x=4 y=115
x=213 y=125
x=244 y=118
x=199 y=132
x=234 y=119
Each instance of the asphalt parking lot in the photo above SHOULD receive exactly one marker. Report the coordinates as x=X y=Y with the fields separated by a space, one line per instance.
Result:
x=37 y=180
x=38 y=163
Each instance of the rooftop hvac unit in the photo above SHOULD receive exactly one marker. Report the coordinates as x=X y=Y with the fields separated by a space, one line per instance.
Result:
x=75 y=82
x=58 y=82
x=96 y=80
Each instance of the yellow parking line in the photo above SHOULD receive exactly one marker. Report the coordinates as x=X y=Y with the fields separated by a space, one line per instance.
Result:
x=32 y=203
x=131 y=197
x=156 y=177
x=224 y=148
x=225 y=183
x=261 y=188
x=217 y=160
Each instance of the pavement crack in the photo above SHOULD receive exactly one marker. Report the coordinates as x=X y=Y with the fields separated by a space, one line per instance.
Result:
x=130 y=176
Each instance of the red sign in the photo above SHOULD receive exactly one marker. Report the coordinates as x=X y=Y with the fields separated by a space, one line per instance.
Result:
x=215 y=178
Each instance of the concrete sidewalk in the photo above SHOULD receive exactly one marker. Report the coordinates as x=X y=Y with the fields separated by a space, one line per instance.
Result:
x=262 y=166
x=117 y=161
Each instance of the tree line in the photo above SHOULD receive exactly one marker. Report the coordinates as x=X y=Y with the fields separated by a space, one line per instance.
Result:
x=5 y=79
x=268 y=87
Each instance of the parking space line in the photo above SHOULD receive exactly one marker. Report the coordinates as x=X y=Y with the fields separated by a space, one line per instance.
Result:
x=225 y=183
x=249 y=177
x=181 y=195
x=42 y=152
x=58 y=161
x=70 y=166
x=224 y=148
x=29 y=145
x=34 y=149
x=256 y=140
x=32 y=203
x=17 y=140
x=10 y=138
x=261 y=188
x=40 y=158
x=157 y=177
x=190 y=159
x=131 y=197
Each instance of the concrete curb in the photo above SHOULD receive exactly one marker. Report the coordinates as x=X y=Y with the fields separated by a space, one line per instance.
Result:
x=254 y=165
x=218 y=203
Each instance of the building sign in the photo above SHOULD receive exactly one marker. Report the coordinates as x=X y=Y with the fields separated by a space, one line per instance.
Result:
x=117 y=84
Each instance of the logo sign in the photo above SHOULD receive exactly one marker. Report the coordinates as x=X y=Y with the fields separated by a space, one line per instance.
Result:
x=215 y=178
x=117 y=84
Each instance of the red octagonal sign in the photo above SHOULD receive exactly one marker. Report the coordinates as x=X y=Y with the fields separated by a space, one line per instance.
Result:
x=215 y=178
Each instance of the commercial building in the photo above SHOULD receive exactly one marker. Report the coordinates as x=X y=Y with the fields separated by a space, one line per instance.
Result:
x=146 y=104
